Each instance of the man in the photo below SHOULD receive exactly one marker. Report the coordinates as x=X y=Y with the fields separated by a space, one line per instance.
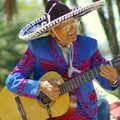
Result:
x=68 y=54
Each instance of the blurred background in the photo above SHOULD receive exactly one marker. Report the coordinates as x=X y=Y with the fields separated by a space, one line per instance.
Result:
x=104 y=25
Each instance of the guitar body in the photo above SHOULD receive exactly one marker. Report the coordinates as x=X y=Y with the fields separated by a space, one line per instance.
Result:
x=34 y=109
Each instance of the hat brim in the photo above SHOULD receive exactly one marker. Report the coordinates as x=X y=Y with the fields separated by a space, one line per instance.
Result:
x=41 y=25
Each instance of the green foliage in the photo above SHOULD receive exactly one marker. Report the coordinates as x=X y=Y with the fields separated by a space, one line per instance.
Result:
x=10 y=46
x=116 y=93
x=63 y=1
x=10 y=49
x=74 y=2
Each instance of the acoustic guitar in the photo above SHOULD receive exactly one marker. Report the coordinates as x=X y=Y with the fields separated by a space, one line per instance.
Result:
x=14 y=107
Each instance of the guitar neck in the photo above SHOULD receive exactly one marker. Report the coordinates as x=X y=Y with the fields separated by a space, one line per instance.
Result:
x=76 y=82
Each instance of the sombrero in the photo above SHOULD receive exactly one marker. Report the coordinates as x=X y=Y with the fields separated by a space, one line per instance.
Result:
x=41 y=25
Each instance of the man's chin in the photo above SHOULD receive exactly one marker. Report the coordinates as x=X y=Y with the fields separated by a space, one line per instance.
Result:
x=73 y=38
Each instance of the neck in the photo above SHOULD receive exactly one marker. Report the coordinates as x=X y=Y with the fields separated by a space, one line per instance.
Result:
x=64 y=46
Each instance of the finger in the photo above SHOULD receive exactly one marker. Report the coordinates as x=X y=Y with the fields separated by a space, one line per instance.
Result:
x=103 y=68
x=108 y=67
x=51 y=96
x=110 y=73
x=104 y=74
x=56 y=89
x=46 y=90
x=107 y=73
x=107 y=76
x=52 y=88
x=53 y=82
x=51 y=91
x=108 y=70
x=56 y=93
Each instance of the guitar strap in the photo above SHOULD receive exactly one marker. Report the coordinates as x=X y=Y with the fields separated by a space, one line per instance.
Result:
x=20 y=108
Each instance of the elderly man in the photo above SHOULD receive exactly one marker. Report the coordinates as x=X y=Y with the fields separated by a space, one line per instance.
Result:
x=68 y=54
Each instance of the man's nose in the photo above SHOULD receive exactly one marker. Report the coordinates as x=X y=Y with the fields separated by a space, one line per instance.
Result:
x=72 y=27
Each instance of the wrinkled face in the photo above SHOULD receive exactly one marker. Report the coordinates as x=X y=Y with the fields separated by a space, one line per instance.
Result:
x=65 y=33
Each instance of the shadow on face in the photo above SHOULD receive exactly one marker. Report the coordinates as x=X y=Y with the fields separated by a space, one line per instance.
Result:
x=65 y=33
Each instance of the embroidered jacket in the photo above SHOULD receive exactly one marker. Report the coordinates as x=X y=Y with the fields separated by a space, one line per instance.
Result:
x=43 y=55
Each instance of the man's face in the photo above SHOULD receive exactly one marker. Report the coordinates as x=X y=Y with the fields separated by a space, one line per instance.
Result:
x=66 y=32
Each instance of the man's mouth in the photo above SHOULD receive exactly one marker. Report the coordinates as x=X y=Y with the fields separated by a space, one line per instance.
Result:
x=72 y=35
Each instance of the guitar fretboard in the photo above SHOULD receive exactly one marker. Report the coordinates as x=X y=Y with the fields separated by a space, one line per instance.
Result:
x=76 y=82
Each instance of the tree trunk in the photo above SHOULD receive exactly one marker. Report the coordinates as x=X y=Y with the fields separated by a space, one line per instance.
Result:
x=45 y=2
x=112 y=30
x=109 y=28
x=81 y=26
x=118 y=4
x=10 y=8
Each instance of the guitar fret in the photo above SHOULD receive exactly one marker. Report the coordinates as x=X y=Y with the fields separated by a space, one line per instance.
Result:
x=86 y=78
x=95 y=72
x=87 y=74
x=64 y=89
x=92 y=74
x=61 y=89
x=75 y=83
x=67 y=86
x=80 y=80
x=83 y=78
x=70 y=85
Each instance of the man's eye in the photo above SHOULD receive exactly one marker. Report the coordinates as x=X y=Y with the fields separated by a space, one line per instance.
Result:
x=72 y=21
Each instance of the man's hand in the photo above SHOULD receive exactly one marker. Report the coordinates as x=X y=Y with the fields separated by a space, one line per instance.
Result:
x=50 y=88
x=109 y=73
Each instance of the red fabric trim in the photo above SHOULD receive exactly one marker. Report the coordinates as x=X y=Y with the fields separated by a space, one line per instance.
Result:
x=83 y=66
x=67 y=115
x=70 y=119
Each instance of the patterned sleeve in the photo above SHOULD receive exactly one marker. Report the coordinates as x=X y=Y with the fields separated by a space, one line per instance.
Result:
x=97 y=60
x=18 y=80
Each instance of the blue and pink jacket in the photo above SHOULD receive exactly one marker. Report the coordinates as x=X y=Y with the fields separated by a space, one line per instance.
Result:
x=44 y=55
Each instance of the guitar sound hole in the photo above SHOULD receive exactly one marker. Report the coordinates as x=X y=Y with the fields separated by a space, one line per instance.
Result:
x=44 y=99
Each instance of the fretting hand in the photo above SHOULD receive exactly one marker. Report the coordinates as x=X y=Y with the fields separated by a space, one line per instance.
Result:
x=109 y=73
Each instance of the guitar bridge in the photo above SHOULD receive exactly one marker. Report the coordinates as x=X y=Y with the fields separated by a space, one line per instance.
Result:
x=44 y=99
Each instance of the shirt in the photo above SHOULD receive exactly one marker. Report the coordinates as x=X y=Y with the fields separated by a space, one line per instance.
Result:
x=44 y=55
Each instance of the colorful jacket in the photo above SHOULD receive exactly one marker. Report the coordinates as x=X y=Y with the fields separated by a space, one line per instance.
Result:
x=43 y=55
